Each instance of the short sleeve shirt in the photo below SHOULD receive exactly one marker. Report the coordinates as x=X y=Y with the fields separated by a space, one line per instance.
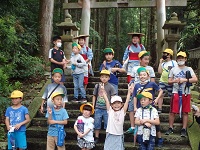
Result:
x=177 y=72
x=115 y=122
x=145 y=114
x=17 y=116
x=135 y=75
x=57 y=55
x=60 y=115
x=166 y=67
x=88 y=124
x=50 y=88
x=101 y=103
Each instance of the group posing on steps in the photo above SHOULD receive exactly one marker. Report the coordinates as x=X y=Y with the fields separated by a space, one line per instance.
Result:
x=143 y=107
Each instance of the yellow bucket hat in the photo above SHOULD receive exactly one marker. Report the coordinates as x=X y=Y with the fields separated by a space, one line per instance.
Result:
x=88 y=104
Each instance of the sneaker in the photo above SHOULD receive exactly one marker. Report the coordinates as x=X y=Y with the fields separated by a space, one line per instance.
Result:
x=83 y=100
x=183 y=132
x=96 y=140
x=169 y=131
x=159 y=110
x=75 y=100
x=129 y=131
x=160 y=142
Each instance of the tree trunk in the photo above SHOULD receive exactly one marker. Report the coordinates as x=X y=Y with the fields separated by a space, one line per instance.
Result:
x=117 y=23
x=85 y=18
x=46 y=26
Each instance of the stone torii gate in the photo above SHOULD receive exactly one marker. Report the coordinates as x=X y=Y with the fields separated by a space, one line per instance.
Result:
x=160 y=5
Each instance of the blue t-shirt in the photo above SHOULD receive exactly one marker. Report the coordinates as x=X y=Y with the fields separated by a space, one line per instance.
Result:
x=151 y=87
x=60 y=115
x=17 y=116
x=109 y=66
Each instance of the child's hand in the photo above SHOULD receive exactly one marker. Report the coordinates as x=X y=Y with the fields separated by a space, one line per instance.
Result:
x=67 y=61
x=102 y=86
x=49 y=110
x=52 y=121
x=161 y=60
x=181 y=80
x=130 y=88
x=143 y=121
x=148 y=125
x=114 y=70
x=80 y=135
x=177 y=80
x=155 y=101
x=135 y=109
x=17 y=126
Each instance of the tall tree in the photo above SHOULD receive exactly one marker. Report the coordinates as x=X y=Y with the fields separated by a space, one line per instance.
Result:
x=45 y=28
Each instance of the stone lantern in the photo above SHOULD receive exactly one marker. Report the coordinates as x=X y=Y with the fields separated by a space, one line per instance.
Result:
x=172 y=28
x=68 y=30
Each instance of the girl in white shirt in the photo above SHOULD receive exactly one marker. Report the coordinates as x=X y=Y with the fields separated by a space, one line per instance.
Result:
x=116 y=113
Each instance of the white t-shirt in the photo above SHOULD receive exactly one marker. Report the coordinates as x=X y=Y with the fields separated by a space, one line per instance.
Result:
x=146 y=115
x=88 y=124
x=115 y=121
x=135 y=75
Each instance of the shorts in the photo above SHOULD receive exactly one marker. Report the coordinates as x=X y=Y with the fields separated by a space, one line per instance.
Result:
x=130 y=105
x=131 y=65
x=17 y=138
x=99 y=115
x=82 y=143
x=51 y=143
x=166 y=87
x=175 y=103
x=150 y=145
x=85 y=82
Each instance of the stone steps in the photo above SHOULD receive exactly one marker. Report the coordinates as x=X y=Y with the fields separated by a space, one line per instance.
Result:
x=41 y=132
x=40 y=144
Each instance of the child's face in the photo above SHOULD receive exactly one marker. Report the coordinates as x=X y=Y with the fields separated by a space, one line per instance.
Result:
x=57 y=100
x=57 y=43
x=117 y=105
x=75 y=50
x=181 y=60
x=144 y=61
x=135 y=39
x=104 y=78
x=143 y=76
x=57 y=77
x=86 y=113
x=81 y=41
x=16 y=101
x=109 y=56
x=145 y=101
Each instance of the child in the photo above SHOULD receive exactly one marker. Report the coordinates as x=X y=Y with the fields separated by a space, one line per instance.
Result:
x=99 y=103
x=57 y=57
x=78 y=69
x=146 y=117
x=144 y=62
x=85 y=132
x=17 y=117
x=87 y=54
x=116 y=113
x=165 y=65
x=180 y=76
x=151 y=87
x=54 y=87
x=131 y=53
x=113 y=66
x=57 y=116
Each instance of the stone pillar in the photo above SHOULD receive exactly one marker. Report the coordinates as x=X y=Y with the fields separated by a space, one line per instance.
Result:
x=85 y=19
x=161 y=17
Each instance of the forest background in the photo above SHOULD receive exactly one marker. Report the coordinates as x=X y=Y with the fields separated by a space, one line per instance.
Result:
x=22 y=60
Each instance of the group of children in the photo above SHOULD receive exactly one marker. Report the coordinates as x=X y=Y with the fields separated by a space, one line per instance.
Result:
x=106 y=105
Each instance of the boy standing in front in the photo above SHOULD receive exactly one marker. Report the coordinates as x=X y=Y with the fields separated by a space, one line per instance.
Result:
x=100 y=104
x=113 y=66
x=181 y=77
x=165 y=65
x=57 y=57
x=146 y=117
x=78 y=67
x=57 y=117
x=17 y=117
x=131 y=53
x=87 y=54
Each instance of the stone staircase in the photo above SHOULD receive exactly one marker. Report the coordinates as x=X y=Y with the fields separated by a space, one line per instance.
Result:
x=37 y=131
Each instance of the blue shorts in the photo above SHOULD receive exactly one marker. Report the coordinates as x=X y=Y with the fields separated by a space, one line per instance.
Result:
x=99 y=115
x=166 y=87
x=18 y=138
x=130 y=105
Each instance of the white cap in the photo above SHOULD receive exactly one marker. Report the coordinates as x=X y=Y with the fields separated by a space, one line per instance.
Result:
x=116 y=98
x=195 y=108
